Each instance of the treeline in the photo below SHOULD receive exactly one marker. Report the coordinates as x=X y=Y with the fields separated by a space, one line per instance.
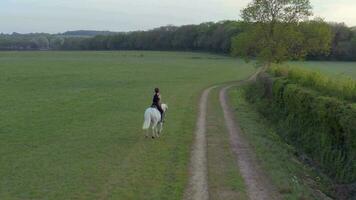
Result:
x=213 y=37
x=210 y=36
x=70 y=40
x=343 y=45
x=33 y=41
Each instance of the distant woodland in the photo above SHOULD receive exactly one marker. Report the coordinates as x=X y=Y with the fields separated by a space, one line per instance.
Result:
x=207 y=37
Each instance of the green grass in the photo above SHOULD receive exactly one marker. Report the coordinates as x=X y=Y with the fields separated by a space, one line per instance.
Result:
x=293 y=179
x=70 y=122
x=335 y=69
x=225 y=181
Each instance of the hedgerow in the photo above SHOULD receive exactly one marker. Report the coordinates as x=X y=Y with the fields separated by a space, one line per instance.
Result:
x=321 y=127
x=343 y=88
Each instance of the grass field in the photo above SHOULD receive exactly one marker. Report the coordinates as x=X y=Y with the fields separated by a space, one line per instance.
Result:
x=70 y=125
x=335 y=69
x=70 y=122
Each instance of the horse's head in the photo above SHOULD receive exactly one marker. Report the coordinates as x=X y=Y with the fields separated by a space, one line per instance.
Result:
x=164 y=107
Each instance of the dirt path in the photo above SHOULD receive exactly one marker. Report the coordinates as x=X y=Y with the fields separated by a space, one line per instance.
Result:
x=198 y=182
x=258 y=186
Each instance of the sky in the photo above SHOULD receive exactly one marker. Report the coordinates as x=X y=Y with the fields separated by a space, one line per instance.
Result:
x=54 y=16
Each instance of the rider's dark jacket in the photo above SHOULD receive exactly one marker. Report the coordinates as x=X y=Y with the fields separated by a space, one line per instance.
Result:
x=156 y=102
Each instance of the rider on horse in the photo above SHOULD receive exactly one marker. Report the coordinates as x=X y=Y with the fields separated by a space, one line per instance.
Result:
x=156 y=103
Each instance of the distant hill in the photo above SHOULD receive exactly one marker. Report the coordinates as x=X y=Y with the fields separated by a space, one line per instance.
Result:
x=87 y=33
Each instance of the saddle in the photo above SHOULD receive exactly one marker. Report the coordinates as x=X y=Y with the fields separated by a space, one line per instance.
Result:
x=154 y=106
x=162 y=114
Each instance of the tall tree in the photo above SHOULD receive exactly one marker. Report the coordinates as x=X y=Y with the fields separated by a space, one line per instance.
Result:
x=274 y=33
x=342 y=36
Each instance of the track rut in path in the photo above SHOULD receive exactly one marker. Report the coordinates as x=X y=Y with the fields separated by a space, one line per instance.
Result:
x=257 y=184
x=198 y=182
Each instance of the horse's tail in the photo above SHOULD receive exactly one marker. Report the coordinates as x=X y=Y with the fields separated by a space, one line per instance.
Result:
x=147 y=122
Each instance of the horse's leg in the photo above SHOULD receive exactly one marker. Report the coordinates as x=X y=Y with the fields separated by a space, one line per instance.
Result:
x=153 y=131
x=146 y=133
x=157 y=130
x=159 y=127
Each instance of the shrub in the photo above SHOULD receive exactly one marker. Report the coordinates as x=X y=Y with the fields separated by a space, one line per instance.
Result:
x=321 y=127
x=344 y=88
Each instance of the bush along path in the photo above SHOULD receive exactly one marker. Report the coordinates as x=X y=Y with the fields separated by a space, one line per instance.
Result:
x=316 y=115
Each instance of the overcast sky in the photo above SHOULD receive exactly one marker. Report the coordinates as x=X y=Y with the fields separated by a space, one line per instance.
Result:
x=55 y=16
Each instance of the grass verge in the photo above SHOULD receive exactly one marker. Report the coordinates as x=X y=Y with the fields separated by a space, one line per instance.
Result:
x=293 y=179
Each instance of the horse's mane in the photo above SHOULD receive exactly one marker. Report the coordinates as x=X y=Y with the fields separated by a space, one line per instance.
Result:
x=164 y=107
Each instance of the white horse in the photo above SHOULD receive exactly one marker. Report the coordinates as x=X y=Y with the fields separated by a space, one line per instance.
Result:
x=152 y=119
